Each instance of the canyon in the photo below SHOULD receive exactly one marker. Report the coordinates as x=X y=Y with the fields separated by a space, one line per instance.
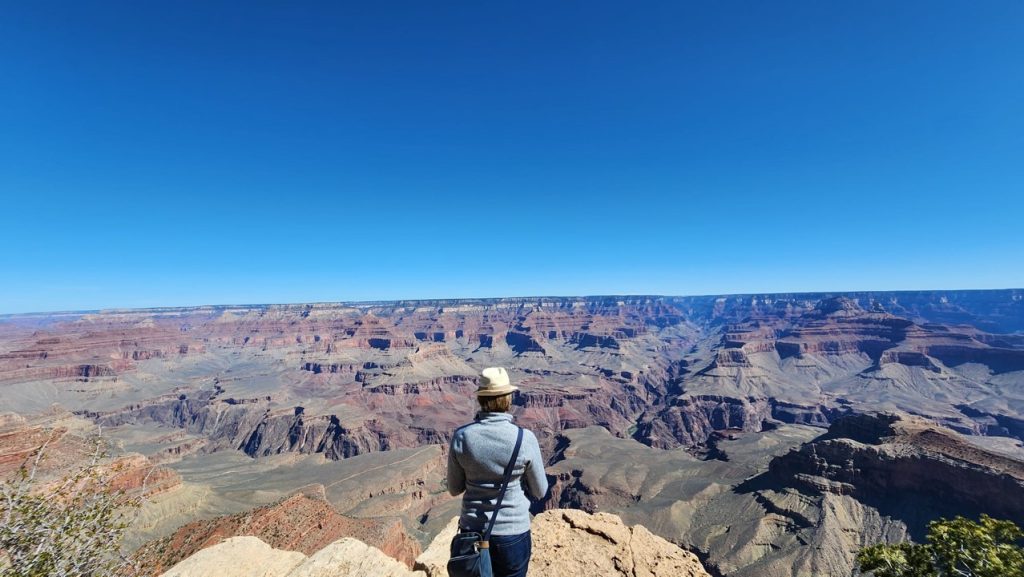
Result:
x=766 y=433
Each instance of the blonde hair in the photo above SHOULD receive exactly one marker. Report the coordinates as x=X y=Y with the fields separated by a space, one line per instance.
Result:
x=499 y=404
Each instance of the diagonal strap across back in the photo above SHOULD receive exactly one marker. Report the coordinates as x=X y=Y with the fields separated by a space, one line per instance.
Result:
x=504 y=485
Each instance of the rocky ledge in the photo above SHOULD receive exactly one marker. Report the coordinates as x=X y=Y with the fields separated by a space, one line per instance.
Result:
x=566 y=543
x=888 y=457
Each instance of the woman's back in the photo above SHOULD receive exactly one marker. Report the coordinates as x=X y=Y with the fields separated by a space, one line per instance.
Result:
x=478 y=455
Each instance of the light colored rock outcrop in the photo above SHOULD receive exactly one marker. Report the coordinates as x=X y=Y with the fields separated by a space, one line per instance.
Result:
x=352 y=558
x=238 y=557
x=570 y=543
x=434 y=560
x=251 y=557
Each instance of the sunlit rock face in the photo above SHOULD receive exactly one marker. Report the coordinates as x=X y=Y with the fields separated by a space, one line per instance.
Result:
x=886 y=458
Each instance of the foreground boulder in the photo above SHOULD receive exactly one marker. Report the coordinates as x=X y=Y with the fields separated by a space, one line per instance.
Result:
x=250 y=557
x=566 y=543
x=238 y=557
x=571 y=543
x=351 y=558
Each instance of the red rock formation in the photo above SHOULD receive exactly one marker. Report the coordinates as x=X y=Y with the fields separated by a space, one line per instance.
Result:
x=304 y=522
x=91 y=347
x=692 y=420
x=20 y=442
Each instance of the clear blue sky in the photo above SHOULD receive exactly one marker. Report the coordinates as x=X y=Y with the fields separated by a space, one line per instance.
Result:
x=176 y=153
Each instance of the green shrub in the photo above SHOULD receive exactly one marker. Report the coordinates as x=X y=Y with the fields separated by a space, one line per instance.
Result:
x=954 y=548
x=69 y=528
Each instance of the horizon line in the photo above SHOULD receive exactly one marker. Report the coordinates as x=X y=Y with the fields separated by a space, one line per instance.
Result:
x=370 y=303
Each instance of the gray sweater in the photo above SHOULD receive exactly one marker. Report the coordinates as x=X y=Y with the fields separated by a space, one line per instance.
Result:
x=477 y=457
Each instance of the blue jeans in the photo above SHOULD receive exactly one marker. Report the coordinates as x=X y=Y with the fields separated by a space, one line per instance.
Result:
x=510 y=554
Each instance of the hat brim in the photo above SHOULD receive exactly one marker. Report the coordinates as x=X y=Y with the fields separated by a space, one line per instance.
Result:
x=497 y=391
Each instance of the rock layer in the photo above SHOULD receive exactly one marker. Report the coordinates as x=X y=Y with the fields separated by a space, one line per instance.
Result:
x=304 y=522
x=882 y=458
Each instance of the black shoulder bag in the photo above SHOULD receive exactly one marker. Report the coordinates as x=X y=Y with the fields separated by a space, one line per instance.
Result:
x=471 y=555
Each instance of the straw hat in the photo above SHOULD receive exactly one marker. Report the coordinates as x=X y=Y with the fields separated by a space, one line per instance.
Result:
x=494 y=383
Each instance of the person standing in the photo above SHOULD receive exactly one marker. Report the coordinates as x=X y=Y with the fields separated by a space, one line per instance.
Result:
x=477 y=457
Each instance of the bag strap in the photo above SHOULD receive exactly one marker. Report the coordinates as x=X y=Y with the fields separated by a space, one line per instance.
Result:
x=504 y=485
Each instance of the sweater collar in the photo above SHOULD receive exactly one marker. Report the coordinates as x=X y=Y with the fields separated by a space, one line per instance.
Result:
x=483 y=417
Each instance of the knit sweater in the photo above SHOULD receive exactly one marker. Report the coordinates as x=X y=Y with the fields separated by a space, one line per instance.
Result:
x=477 y=458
